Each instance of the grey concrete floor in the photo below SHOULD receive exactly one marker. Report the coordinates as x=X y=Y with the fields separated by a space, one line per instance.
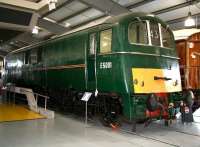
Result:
x=66 y=131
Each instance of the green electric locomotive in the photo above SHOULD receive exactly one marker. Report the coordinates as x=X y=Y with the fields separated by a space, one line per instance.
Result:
x=129 y=58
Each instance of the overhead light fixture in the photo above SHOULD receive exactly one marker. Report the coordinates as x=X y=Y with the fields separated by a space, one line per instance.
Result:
x=35 y=30
x=67 y=24
x=52 y=4
x=49 y=19
x=189 y=21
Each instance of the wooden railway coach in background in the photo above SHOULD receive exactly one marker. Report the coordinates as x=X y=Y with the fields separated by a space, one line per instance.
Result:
x=130 y=60
x=189 y=53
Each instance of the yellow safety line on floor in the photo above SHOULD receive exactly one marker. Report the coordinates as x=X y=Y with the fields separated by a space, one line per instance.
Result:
x=11 y=112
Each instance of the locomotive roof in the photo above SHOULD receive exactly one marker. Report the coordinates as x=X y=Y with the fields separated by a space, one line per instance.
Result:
x=126 y=16
x=131 y=15
x=112 y=20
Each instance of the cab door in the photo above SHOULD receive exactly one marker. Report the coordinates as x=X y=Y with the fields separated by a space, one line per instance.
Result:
x=91 y=61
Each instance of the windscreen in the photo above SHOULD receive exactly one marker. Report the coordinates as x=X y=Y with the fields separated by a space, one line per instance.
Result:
x=167 y=38
x=150 y=33
x=138 y=33
x=154 y=33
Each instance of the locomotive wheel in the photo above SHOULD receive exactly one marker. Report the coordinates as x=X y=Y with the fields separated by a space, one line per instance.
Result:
x=152 y=103
x=110 y=120
x=110 y=115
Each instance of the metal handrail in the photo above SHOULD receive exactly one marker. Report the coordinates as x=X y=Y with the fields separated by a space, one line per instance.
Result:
x=43 y=96
x=36 y=95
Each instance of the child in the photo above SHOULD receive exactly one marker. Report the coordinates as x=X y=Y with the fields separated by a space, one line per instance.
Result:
x=186 y=113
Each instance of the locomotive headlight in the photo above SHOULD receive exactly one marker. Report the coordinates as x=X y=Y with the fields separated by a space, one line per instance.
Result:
x=135 y=81
x=142 y=84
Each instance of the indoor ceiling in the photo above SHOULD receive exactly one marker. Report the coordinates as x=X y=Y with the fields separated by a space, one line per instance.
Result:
x=72 y=14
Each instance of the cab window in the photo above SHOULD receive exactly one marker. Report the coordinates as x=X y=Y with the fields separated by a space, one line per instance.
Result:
x=106 y=41
x=167 y=38
x=137 y=32
x=154 y=33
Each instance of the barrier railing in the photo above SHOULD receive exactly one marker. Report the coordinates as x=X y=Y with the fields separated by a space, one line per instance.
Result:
x=32 y=98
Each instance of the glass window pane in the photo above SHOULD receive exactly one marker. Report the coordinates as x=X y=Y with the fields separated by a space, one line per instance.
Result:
x=92 y=44
x=167 y=38
x=138 y=33
x=105 y=41
x=155 y=37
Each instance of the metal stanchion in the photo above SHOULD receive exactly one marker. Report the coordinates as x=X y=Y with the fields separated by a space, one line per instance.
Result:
x=86 y=98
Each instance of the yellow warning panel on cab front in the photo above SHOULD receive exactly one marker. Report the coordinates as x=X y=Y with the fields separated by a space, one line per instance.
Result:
x=149 y=80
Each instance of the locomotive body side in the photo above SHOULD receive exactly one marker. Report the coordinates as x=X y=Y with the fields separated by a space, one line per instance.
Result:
x=56 y=64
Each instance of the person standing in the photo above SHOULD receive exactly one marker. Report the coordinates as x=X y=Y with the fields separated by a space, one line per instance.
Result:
x=186 y=107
